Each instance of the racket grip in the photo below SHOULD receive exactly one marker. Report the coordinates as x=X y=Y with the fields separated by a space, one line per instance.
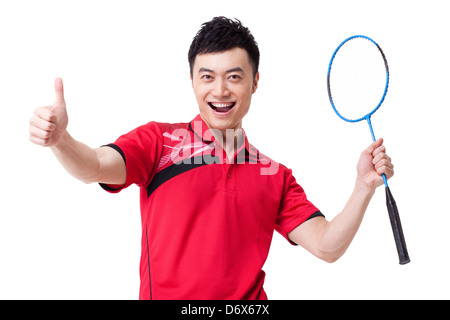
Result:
x=397 y=228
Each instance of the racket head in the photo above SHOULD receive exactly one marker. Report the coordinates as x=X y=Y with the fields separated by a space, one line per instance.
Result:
x=358 y=78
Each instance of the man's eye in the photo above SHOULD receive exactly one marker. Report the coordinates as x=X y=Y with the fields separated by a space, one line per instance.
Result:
x=235 y=77
x=206 y=77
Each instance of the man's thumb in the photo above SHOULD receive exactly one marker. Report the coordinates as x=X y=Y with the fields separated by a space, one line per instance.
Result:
x=59 y=92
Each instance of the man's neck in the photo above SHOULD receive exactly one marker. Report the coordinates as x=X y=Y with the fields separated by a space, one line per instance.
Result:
x=231 y=140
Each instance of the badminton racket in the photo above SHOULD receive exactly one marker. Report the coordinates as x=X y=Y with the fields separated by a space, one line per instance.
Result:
x=358 y=80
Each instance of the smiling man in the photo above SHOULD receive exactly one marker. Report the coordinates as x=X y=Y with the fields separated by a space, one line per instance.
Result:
x=210 y=201
x=224 y=83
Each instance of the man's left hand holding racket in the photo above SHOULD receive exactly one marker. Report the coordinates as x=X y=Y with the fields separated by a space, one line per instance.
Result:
x=372 y=164
x=330 y=240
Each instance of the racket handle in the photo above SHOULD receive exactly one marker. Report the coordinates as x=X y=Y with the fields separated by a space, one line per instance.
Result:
x=397 y=228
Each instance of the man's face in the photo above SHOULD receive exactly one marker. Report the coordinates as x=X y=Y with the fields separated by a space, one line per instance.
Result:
x=223 y=84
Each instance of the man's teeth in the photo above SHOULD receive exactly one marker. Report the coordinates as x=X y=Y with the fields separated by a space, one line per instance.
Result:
x=222 y=105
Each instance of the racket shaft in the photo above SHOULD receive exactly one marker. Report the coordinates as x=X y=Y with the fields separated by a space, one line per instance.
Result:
x=397 y=228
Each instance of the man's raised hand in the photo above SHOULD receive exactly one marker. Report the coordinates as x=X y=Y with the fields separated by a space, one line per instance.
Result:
x=48 y=124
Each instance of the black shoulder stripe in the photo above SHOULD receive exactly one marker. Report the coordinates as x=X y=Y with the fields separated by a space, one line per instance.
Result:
x=178 y=168
x=117 y=148
x=316 y=214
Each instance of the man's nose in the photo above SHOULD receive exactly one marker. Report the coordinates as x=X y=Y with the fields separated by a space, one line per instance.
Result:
x=221 y=89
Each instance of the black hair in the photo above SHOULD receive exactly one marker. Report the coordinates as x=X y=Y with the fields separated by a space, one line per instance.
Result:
x=222 y=34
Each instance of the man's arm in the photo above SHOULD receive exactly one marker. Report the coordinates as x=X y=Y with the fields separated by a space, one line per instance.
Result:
x=48 y=127
x=330 y=240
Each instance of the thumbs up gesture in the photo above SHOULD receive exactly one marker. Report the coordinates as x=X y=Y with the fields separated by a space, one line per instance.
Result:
x=48 y=124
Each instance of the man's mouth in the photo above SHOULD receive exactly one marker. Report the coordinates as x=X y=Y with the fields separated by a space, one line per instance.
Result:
x=222 y=107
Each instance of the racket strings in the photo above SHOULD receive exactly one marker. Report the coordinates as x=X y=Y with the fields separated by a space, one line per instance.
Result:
x=357 y=78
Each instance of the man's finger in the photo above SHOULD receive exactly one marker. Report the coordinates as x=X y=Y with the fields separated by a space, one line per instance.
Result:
x=59 y=92
x=374 y=146
x=42 y=124
x=45 y=113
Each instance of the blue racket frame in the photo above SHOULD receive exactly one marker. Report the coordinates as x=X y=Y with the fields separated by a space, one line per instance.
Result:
x=367 y=116
x=390 y=201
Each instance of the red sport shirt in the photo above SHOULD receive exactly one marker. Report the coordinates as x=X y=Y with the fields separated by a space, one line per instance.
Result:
x=207 y=221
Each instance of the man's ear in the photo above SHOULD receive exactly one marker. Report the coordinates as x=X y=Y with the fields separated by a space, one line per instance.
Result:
x=255 y=82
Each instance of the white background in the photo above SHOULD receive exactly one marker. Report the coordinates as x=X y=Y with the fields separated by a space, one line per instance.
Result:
x=124 y=63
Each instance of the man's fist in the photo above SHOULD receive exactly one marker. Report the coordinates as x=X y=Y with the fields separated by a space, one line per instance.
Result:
x=373 y=163
x=48 y=124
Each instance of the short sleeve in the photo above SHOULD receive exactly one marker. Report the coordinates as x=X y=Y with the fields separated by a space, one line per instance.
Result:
x=295 y=208
x=140 y=149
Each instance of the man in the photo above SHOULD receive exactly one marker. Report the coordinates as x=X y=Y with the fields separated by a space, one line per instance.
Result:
x=209 y=200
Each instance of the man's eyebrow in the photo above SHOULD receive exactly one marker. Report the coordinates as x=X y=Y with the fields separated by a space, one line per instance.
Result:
x=205 y=70
x=235 y=69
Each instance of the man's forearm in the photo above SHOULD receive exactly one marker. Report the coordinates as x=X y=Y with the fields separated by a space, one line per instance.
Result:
x=339 y=233
x=77 y=158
